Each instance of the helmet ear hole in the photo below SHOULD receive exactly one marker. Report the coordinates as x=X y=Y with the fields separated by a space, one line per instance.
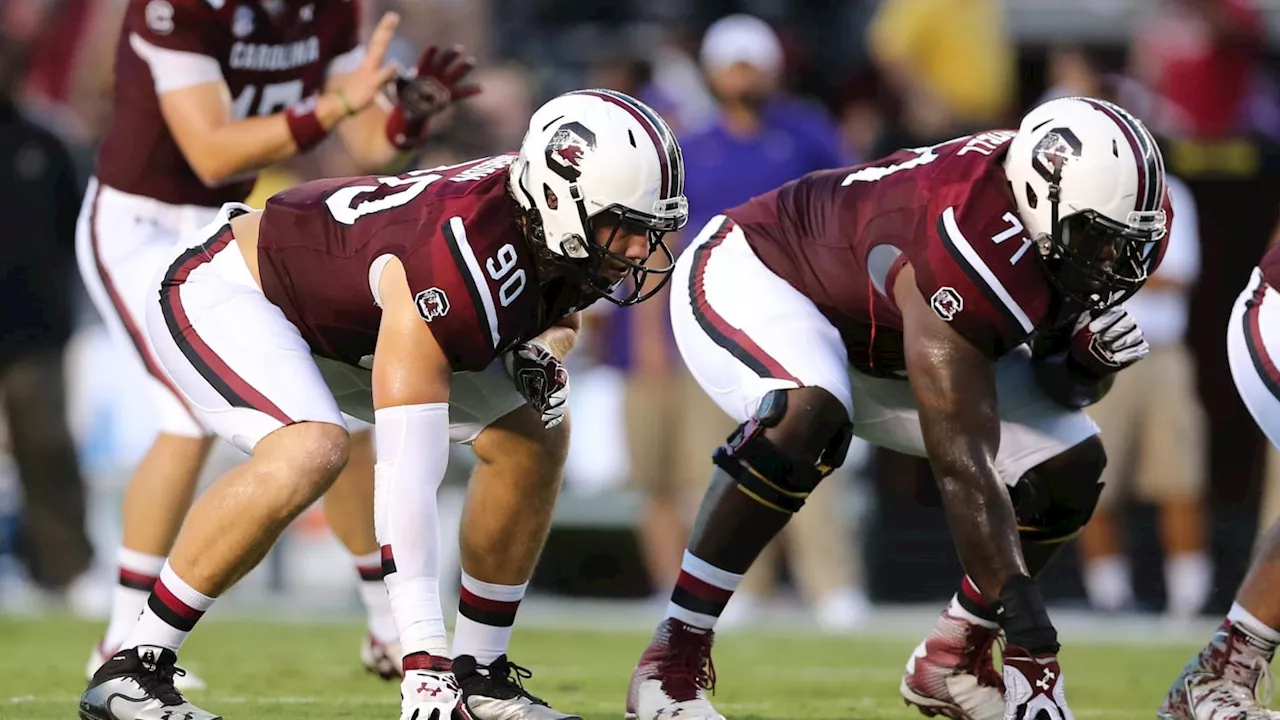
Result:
x=553 y=202
x=1032 y=199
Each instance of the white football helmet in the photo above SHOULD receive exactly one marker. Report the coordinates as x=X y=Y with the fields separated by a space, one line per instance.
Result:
x=589 y=152
x=1088 y=178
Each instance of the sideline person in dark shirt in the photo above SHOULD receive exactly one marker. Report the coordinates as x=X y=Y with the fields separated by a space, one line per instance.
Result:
x=39 y=199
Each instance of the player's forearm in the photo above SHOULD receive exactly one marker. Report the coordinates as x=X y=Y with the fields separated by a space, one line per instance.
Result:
x=560 y=340
x=982 y=521
x=254 y=143
x=954 y=386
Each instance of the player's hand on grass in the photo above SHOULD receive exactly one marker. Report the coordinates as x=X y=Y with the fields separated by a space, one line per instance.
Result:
x=1033 y=687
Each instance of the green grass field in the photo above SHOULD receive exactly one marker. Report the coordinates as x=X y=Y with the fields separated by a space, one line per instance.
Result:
x=285 y=671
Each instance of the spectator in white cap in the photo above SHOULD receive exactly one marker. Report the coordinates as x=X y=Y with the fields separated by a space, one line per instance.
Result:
x=743 y=55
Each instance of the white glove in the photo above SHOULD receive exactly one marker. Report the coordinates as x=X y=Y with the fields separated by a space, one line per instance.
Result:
x=541 y=378
x=1108 y=343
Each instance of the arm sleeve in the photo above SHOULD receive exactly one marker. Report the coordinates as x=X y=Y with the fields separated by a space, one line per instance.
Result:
x=412 y=445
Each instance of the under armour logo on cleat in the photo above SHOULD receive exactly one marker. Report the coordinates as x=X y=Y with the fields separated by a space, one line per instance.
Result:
x=168 y=715
x=1043 y=683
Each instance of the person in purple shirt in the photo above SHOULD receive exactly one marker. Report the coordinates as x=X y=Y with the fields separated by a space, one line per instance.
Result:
x=759 y=139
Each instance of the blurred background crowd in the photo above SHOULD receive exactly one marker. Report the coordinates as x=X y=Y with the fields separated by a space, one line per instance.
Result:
x=760 y=92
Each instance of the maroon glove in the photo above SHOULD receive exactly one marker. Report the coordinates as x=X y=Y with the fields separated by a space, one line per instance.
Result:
x=541 y=378
x=1107 y=343
x=427 y=92
x=1033 y=688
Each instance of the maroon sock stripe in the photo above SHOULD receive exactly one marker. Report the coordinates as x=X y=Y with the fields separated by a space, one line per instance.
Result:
x=971 y=600
x=699 y=596
x=131 y=328
x=1263 y=363
x=369 y=573
x=136 y=580
x=388 y=561
x=486 y=611
x=171 y=610
x=717 y=328
x=233 y=388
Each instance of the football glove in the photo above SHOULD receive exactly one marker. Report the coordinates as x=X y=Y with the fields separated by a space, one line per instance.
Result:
x=1033 y=686
x=541 y=378
x=1108 y=343
x=426 y=92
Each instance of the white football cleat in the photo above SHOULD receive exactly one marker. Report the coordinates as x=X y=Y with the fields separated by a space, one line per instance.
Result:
x=952 y=673
x=183 y=682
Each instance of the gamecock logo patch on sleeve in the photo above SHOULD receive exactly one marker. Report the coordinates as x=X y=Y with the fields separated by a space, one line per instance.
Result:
x=946 y=302
x=432 y=303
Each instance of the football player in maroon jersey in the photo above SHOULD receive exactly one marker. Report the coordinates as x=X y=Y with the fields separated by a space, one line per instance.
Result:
x=208 y=92
x=933 y=272
x=1230 y=678
x=439 y=304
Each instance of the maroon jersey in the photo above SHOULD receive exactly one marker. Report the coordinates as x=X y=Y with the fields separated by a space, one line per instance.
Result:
x=841 y=237
x=269 y=62
x=321 y=246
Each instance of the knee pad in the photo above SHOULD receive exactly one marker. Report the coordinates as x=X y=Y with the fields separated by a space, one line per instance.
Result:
x=1054 y=501
x=764 y=471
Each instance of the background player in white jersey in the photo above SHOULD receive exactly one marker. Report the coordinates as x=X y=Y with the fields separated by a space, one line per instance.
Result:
x=206 y=94
x=1230 y=678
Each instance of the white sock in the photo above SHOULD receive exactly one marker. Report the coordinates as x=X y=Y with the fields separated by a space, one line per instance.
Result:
x=373 y=594
x=1108 y=582
x=486 y=614
x=1245 y=619
x=701 y=592
x=1188 y=579
x=171 y=612
x=138 y=573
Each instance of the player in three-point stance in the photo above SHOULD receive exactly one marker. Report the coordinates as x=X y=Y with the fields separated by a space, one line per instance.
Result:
x=976 y=289
x=206 y=94
x=439 y=304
